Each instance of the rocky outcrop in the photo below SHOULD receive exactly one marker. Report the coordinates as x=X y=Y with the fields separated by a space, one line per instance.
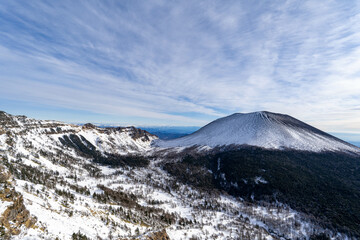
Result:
x=6 y=120
x=161 y=235
x=137 y=133
x=16 y=216
x=134 y=133
x=88 y=126
x=4 y=176
x=22 y=124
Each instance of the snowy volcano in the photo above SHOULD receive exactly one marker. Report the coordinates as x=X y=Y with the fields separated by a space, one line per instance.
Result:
x=262 y=129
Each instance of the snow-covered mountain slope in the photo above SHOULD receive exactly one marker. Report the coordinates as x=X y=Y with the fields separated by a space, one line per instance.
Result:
x=262 y=129
x=52 y=188
x=26 y=132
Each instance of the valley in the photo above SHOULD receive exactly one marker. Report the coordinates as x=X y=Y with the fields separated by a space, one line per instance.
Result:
x=63 y=181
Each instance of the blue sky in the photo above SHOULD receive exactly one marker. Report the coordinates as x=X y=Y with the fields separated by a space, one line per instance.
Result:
x=181 y=62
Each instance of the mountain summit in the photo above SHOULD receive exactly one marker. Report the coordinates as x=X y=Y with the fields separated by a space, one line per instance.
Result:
x=262 y=129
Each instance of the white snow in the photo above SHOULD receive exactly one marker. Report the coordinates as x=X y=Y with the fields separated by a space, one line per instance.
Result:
x=258 y=180
x=262 y=129
x=4 y=205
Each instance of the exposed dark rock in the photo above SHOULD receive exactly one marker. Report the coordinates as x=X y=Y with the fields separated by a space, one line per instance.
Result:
x=88 y=126
x=137 y=133
x=161 y=235
x=16 y=216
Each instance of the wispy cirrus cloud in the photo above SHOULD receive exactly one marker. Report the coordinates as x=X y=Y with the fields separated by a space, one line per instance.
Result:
x=185 y=63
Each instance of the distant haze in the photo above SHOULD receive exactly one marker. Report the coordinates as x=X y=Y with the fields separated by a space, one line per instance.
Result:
x=170 y=132
x=351 y=138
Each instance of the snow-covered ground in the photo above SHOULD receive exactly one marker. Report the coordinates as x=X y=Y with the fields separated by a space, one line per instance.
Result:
x=207 y=215
x=67 y=193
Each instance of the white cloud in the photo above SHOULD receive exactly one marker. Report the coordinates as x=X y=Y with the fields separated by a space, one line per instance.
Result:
x=165 y=60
